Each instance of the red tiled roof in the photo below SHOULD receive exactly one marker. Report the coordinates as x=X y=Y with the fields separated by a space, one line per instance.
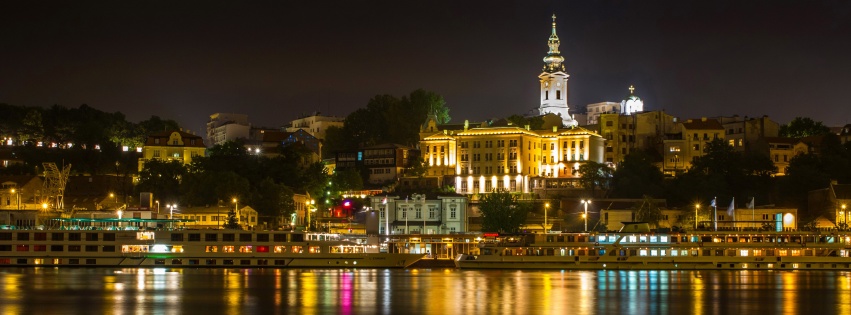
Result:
x=698 y=124
x=199 y=142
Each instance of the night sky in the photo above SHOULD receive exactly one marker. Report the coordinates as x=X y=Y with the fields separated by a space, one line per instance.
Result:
x=275 y=60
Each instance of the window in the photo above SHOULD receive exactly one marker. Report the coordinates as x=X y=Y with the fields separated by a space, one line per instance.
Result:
x=558 y=94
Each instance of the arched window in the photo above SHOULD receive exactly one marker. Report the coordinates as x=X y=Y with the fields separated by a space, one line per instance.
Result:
x=558 y=94
x=546 y=95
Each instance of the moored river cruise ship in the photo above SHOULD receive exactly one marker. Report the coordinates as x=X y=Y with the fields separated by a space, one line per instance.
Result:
x=136 y=247
x=758 y=250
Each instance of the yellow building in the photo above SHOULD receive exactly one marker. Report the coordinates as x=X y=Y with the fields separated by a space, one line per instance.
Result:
x=690 y=144
x=636 y=131
x=215 y=217
x=172 y=146
x=513 y=158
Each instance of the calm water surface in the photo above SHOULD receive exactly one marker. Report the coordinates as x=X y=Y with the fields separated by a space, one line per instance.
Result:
x=419 y=291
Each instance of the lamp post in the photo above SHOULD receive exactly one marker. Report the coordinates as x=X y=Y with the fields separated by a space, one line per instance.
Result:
x=696 y=207
x=585 y=215
x=846 y=213
x=546 y=207
x=114 y=203
x=309 y=209
x=158 y=206
x=236 y=209
x=17 y=199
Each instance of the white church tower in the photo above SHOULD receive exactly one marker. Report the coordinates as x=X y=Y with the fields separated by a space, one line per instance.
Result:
x=632 y=104
x=554 y=82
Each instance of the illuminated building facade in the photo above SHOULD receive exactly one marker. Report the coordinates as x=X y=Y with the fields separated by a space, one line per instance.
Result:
x=512 y=158
x=418 y=214
x=172 y=146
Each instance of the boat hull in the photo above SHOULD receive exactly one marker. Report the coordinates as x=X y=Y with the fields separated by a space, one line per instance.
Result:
x=787 y=263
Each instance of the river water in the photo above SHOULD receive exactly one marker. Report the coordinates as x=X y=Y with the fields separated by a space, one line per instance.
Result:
x=419 y=291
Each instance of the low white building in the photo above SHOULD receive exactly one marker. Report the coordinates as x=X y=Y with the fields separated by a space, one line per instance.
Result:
x=315 y=124
x=417 y=214
x=224 y=127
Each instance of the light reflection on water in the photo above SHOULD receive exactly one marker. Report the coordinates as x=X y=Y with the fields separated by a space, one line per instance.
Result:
x=419 y=291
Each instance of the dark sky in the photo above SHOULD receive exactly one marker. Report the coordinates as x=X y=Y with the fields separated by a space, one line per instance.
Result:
x=275 y=60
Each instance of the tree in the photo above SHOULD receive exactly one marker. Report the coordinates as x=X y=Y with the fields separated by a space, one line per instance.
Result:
x=595 y=175
x=636 y=176
x=803 y=127
x=725 y=173
x=232 y=222
x=501 y=212
x=162 y=179
x=347 y=180
x=426 y=103
x=418 y=167
x=648 y=211
x=32 y=128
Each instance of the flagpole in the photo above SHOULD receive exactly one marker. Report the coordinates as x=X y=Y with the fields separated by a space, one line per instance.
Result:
x=753 y=217
x=715 y=213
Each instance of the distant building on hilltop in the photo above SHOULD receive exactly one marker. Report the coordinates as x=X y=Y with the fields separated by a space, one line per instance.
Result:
x=224 y=127
x=172 y=146
x=315 y=124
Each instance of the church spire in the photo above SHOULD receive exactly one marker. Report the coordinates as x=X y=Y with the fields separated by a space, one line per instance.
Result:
x=553 y=59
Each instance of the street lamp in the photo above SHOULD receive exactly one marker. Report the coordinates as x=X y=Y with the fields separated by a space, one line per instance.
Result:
x=585 y=215
x=309 y=209
x=696 y=207
x=114 y=203
x=236 y=209
x=546 y=207
x=17 y=199
x=158 y=206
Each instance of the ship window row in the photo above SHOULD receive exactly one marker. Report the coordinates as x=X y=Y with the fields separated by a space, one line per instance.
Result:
x=49 y=261
x=160 y=261
x=279 y=249
x=57 y=236
x=57 y=248
x=666 y=239
x=176 y=237
x=661 y=252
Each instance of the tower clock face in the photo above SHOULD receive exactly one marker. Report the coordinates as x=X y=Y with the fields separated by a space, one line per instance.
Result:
x=558 y=83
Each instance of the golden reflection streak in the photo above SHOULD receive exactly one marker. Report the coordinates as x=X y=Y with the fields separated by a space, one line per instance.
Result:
x=697 y=293
x=11 y=290
x=790 y=288
x=232 y=294
x=586 y=291
x=546 y=298
x=844 y=293
x=278 y=288
x=307 y=288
